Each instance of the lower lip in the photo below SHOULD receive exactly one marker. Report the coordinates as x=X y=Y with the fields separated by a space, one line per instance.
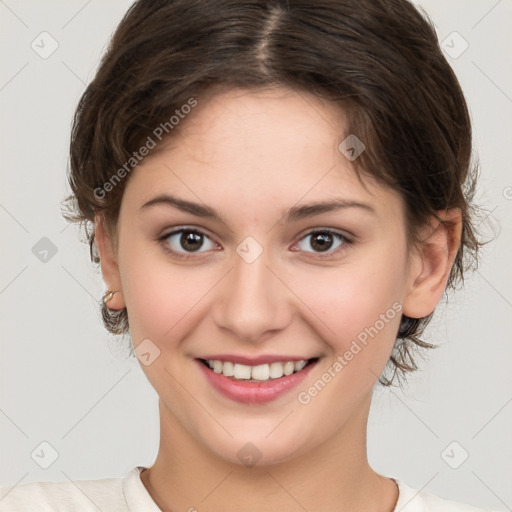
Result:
x=254 y=392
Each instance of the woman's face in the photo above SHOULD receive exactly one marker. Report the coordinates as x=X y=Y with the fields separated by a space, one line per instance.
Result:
x=262 y=283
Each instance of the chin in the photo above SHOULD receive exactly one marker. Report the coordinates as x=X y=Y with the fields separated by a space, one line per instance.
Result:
x=258 y=452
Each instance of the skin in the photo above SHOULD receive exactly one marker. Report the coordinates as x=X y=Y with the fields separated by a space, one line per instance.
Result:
x=251 y=156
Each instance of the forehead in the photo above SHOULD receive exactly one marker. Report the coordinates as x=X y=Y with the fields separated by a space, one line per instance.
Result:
x=239 y=145
x=274 y=121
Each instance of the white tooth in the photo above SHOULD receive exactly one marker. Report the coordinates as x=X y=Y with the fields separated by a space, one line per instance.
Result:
x=241 y=371
x=289 y=368
x=276 y=370
x=260 y=372
x=299 y=365
x=227 y=369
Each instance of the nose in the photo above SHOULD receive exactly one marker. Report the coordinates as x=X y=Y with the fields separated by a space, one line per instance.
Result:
x=253 y=302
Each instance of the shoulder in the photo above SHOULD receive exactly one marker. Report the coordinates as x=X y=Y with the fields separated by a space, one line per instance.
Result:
x=69 y=496
x=412 y=500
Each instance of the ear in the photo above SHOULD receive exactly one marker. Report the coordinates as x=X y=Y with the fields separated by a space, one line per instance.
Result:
x=432 y=262
x=108 y=261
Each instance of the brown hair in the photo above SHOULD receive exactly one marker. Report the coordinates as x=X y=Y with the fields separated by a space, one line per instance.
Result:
x=379 y=60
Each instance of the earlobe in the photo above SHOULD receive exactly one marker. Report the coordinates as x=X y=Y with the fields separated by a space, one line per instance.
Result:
x=432 y=263
x=108 y=262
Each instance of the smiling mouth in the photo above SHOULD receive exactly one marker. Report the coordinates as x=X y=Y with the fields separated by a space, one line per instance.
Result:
x=258 y=373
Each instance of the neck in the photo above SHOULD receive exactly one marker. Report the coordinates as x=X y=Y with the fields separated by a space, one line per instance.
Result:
x=335 y=477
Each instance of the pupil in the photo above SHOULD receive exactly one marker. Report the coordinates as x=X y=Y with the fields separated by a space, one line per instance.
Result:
x=324 y=239
x=191 y=241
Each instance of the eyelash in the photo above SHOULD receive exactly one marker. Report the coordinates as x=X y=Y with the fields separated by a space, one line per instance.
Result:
x=346 y=242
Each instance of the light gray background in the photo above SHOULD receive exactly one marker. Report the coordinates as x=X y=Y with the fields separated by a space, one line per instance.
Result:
x=64 y=382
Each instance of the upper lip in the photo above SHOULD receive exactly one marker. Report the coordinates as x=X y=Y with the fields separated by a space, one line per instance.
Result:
x=254 y=361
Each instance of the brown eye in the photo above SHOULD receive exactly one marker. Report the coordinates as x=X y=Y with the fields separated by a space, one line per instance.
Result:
x=186 y=241
x=190 y=240
x=322 y=241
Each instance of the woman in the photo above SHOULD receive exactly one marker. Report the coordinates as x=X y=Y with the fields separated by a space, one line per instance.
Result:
x=280 y=194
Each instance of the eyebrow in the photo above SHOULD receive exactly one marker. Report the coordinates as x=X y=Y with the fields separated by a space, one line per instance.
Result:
x=294 y=214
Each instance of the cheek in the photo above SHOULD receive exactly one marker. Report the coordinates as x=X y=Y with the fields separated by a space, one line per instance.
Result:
x=357 y=310
x=158 y=294
x=357 y=301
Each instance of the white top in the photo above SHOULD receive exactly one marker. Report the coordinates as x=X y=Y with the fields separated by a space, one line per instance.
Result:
x=128 y=494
